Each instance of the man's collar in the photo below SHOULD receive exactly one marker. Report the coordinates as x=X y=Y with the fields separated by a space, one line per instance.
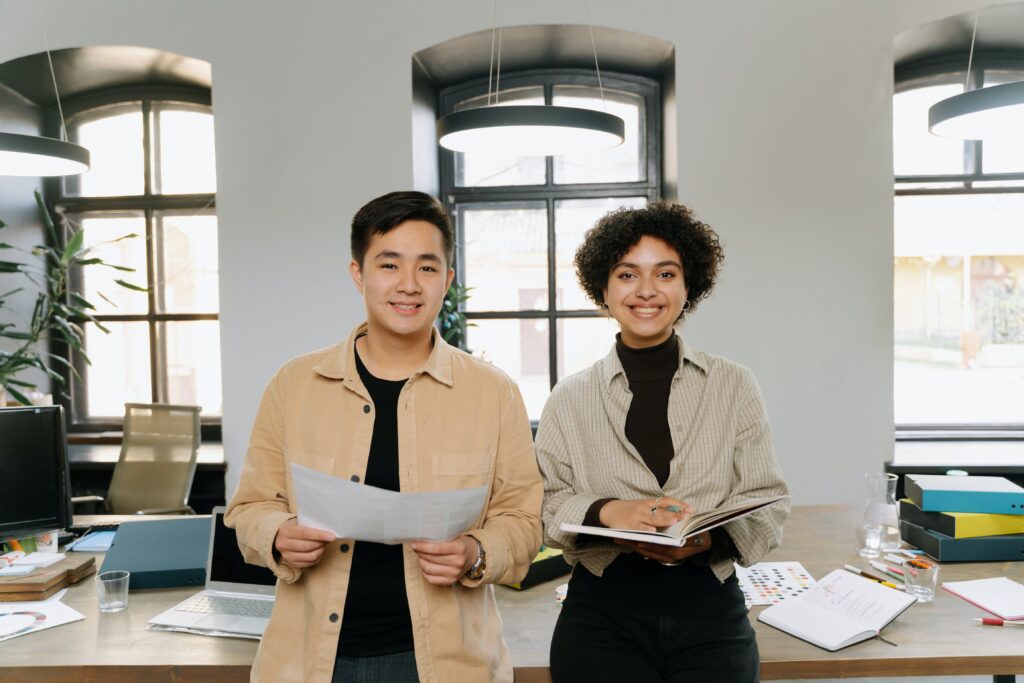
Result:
x=340 y=363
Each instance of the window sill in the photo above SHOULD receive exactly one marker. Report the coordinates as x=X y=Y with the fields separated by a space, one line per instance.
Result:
x=1005 y=452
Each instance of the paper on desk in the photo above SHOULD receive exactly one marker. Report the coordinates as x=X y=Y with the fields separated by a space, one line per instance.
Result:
x=22 y=618
x=367 y=513
x=39 y=559
x=93 y=542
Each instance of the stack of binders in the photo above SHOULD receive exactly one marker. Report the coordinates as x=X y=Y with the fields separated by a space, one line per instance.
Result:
x=963 y=519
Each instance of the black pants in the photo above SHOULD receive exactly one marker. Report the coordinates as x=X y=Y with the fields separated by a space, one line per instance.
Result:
x=642 y=621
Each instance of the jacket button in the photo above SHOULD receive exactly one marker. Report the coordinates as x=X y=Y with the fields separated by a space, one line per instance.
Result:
x=343 y=547
x=366 y=408
x=333 y=617
x=355 y=478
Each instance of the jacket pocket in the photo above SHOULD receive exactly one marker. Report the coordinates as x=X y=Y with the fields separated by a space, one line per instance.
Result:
x=462 y=470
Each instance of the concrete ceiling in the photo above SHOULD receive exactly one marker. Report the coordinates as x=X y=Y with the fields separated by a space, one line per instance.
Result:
x=81 y=70
x=1000 y=30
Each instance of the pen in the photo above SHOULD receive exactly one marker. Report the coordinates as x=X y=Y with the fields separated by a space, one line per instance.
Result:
x=886 y=569
x=992 y=621
x=890 y=584
x=894 y=558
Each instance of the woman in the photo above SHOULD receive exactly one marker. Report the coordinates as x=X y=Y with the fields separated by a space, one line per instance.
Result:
x=652 y=431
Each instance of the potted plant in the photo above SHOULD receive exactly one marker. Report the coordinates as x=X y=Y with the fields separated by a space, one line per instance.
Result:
x=453 y=318
x=56 y=307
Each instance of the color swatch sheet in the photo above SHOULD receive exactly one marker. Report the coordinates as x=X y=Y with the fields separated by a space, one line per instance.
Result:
x=767 y=583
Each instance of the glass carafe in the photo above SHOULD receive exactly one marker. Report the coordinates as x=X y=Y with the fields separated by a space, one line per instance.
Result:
x=881 y=514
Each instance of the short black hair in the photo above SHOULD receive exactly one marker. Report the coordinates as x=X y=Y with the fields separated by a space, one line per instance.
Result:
x=619 y=231
x=382 y=215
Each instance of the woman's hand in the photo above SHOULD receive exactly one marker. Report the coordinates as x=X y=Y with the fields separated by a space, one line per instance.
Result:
x=648 y=514
x=668 y=554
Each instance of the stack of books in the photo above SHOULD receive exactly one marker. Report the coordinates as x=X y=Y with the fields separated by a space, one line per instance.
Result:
x=963 y=519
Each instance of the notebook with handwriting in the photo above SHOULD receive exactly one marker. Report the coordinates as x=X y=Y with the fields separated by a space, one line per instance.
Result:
x=840 y=610
x=685 y=528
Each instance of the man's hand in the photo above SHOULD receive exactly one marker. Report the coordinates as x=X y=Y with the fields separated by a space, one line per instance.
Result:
x=301 y=546
x=444 y=563
x=648 y=514
x=670 y=554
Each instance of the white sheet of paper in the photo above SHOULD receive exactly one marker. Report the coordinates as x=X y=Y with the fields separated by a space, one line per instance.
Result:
x=367 y=513
x=22 y=618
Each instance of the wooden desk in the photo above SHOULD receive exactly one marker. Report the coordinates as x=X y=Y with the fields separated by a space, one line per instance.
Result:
x=934 y=639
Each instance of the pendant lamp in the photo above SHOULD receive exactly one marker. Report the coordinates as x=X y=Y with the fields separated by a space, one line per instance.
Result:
x=991 y=112
x=31 y=155
x=529 y=130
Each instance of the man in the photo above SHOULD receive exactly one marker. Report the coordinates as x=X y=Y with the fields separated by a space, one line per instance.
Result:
x=393 y=406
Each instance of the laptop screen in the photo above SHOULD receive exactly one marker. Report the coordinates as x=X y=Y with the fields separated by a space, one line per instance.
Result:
x=226 y=563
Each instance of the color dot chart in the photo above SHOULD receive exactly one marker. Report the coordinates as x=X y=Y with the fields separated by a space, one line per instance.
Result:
x=767 y=583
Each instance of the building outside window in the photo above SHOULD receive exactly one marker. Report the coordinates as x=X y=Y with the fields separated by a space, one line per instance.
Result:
x=153 y=175
x=519 y=222
x=958 y=267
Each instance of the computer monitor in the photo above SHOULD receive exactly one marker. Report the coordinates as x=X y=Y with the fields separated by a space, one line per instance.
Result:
x=34 y=482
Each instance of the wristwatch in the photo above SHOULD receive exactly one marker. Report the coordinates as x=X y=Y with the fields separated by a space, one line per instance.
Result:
x=477 y=570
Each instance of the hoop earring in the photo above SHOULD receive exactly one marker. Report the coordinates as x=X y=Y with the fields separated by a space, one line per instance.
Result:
x=686 y=307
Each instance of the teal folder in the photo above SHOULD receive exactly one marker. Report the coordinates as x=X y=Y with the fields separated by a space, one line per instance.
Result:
x=946 y=549
x=945 y=493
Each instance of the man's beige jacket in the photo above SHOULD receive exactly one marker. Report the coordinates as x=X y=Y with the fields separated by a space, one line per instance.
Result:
x=461 y=423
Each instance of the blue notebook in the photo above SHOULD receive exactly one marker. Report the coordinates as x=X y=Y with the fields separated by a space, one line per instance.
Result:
x=944 y=493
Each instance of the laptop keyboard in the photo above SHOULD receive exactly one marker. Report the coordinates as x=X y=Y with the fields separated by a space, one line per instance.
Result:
x=220 y=604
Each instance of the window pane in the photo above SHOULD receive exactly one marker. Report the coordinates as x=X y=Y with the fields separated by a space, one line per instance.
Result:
x=623 y=164
x=102 y=233
x=520 y=348
x=505 y=250
x=1005 y=155
x=915 y=150
x=573 y=218
x=186 y=263
x=187 y=164
x=959 y=309
x=113 y=136
x=119 y=372
x=583 y=341
x=192 y=361
x=483 y=170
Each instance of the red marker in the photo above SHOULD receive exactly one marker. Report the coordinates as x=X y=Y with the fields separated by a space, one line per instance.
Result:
x=992 y=621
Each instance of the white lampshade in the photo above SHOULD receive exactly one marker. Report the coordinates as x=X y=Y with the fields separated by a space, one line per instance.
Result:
x=30 y=155
x=986 y=113
x=529 y=130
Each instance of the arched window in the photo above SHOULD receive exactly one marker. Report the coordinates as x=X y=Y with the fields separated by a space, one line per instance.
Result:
x=519 y=222
x=153 y=175
x=959 y=263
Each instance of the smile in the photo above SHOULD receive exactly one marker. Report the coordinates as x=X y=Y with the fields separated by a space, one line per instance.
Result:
x=406 y=308
x=645 y=311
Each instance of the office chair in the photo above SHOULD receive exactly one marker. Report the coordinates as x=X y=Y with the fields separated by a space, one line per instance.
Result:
x=154 y=473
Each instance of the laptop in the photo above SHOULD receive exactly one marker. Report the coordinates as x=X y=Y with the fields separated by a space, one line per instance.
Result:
x=238 y=597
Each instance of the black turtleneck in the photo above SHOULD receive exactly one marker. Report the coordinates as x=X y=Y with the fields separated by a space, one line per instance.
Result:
x=649 y=373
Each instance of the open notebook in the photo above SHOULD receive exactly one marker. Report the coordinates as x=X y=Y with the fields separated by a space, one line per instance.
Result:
x=840 y=610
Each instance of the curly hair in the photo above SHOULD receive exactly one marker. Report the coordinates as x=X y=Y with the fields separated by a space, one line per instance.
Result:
x=619 y=231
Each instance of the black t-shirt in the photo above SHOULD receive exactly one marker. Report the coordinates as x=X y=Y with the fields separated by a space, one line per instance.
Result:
x=376 y=620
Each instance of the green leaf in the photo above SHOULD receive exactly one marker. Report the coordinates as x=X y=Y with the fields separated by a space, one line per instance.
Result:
x=20 y=383
x=128 y=285
x=18 y=396
x=10 y=267
x=81 y=301
x=4 y=245
x=44 y=213
x=13 y=291
x=87 y=261
x=16 y=335
x=115 y=267
x=73 y=246
x=129 y=236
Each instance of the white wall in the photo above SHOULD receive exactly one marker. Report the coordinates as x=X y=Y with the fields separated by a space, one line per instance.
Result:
x=784 y=144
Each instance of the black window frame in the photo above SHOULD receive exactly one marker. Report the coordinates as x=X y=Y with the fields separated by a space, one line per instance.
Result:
x=148 y=204
x=648 y=187
x=937 y=71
